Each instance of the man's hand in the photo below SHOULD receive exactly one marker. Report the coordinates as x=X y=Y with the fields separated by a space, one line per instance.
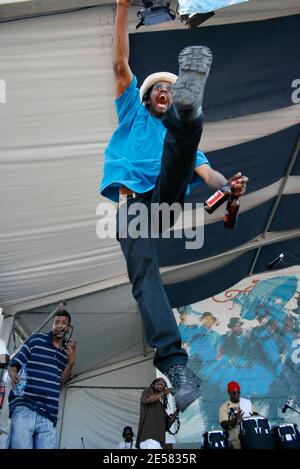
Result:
x=15 y=378
x=239 y=415
x=172 y=418
x=167 y=391
x=238 y=184
x=236 y=419
x=71 y=352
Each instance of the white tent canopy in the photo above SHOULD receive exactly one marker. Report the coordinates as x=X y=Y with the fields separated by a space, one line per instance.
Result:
x=55 y=125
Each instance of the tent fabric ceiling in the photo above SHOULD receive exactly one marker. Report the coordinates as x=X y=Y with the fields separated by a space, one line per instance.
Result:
x=106 y=322
x=55 y=125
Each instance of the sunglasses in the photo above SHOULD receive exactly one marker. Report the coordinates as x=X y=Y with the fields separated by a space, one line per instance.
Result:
x=236 y=392
x=160 y=87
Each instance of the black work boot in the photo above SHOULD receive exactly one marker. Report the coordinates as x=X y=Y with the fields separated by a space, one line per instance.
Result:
x=185 y=384
x=187 y=92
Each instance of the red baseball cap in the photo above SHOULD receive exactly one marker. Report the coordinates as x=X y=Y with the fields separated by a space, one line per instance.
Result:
x=233 y=386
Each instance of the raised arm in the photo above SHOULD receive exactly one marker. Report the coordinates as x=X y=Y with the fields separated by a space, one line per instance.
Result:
x=71 y=354
x=155 y=396
x=123 y=73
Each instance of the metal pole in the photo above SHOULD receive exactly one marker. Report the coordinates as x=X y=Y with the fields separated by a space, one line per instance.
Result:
x=283 y=184
x=293 y=157
x=63 y=404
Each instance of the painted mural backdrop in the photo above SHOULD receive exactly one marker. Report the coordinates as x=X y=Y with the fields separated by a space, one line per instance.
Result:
x=250 y=334
x=204 y=6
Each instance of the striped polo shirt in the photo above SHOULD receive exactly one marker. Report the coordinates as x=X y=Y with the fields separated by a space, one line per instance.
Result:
x=44 y=366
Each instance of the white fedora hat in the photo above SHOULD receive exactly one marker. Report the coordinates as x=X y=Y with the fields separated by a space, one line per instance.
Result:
x=156 y=77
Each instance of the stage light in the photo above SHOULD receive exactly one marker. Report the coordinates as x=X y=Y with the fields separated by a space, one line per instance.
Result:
x=156 y=11
x=195 y=19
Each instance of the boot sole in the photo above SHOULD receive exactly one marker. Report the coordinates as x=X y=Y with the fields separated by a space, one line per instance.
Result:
x=183 y=401
x=194 y=66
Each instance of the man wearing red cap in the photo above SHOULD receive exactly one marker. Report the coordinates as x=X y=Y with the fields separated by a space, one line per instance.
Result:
x=232 y=412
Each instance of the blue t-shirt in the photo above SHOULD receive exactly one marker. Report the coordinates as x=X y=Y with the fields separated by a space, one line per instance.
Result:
x=133 y=155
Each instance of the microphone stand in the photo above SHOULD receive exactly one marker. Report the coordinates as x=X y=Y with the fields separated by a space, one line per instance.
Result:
x=289 y=407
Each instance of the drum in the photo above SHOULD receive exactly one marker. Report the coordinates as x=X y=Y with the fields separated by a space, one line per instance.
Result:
x=216 y=439
x=255 y=433
x=286 y=436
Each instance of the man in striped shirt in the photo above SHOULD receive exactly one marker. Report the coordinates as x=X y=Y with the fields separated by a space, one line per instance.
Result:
x=38 y=371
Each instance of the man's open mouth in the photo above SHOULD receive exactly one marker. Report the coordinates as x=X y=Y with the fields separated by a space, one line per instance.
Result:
x=163 y=99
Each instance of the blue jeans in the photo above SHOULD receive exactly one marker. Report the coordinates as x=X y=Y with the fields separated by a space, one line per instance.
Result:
x=30 y=430
x=177 y=167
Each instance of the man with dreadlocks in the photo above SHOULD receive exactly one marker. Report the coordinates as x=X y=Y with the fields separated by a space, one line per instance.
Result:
x=151 y=159
x=154 y=420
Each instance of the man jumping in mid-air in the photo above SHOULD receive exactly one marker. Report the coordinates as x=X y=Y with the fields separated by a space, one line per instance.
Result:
x=151 y=158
